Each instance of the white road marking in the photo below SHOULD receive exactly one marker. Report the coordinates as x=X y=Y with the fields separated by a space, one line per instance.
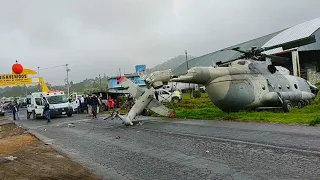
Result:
x=59 y=124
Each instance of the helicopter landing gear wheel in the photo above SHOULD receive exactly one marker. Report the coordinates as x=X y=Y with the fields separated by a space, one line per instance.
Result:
x=300 y=104
x=135 y=123
x=287 y=106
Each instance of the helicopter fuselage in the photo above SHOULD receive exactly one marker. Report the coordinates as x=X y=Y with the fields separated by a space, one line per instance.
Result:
x=247 y=84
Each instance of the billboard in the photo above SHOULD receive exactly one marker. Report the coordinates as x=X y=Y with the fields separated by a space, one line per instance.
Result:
x=140 y=68
x=14 y=79
x=113 y=82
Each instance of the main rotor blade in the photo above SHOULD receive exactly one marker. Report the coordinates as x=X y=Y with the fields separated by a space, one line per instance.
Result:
x=277 y=59
x=235 y=49
x=293 y=44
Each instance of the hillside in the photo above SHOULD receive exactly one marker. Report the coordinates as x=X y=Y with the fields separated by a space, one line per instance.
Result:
x=170 y=64
x=86 y=86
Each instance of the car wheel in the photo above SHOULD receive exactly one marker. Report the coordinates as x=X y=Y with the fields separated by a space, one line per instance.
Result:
x=175 y=100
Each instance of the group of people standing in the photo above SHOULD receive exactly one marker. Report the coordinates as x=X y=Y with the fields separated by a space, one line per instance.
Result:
x=90 y=104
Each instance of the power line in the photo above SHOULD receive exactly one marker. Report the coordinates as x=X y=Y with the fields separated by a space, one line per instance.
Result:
x=52 y=67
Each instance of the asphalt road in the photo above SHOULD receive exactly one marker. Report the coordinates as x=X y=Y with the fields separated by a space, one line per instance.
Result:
x=185 y=149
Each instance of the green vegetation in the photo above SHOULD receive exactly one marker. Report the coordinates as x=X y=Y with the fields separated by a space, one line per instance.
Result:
x=197 y=94
x=203 y=108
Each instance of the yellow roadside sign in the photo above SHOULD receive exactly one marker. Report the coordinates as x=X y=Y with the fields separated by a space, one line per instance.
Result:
x=14 y=79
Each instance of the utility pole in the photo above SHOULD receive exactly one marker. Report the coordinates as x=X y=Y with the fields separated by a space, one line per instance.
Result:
x=187 y=70
x=25 y=86
x=39 y=88
x=100 y=81
x=68 y=85
x=186 y=59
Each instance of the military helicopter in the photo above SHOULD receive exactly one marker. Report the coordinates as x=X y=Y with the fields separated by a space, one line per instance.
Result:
x=253 y=82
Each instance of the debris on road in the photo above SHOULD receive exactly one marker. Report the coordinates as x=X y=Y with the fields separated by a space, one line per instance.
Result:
x=10 y=158
x=71 y=125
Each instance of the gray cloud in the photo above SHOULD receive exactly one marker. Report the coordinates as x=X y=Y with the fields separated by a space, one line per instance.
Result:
x=100 y=36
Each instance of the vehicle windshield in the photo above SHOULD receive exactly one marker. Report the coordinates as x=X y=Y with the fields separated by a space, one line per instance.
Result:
x=57 y=99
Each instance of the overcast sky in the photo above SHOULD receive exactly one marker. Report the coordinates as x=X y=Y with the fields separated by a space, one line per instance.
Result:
x=100 y=36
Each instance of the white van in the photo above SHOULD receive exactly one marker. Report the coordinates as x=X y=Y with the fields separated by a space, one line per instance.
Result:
x=58 y=103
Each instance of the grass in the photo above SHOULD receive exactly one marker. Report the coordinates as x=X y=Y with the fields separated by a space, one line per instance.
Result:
x=203 y=108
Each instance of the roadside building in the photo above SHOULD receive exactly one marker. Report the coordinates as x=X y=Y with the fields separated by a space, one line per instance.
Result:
x=115 y=88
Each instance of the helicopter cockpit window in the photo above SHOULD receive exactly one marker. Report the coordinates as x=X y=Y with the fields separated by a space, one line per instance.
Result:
x=224 y=65
x=295 y=86
x=272 y=68
x=263 y=87
x=288 y=86
x=241 y=62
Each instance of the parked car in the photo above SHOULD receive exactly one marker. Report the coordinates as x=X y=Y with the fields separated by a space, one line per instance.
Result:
x=166 y=96
x=2 y=112
x=202 y=89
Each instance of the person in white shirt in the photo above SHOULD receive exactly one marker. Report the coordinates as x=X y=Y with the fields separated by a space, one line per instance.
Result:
x=81 y=104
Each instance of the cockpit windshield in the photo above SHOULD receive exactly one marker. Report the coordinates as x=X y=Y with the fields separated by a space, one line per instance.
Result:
x=57 y=99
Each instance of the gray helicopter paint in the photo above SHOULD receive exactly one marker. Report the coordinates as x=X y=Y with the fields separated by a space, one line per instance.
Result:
x=240 y=93
x=247 y=85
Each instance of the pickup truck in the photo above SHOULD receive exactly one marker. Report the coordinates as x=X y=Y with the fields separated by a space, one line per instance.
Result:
x=166 y=96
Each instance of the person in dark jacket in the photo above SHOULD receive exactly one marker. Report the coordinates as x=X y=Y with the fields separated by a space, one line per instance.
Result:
x=15 y=112
x=46 y=109
x=94 y=104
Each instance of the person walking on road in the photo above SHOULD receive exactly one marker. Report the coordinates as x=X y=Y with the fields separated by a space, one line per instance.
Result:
x=46 y=109
x=94 y=104
x=15 y=112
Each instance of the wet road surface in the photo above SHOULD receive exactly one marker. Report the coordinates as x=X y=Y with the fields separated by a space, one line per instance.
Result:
x=185 y=149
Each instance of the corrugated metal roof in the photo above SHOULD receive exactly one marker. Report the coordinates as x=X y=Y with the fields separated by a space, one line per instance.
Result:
x=293 y=33
x=299 y=31
x=223 y=56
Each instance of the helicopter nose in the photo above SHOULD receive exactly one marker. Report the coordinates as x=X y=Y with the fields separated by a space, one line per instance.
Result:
x=314 y=90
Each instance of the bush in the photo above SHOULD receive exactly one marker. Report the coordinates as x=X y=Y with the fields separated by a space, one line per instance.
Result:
x=122 y=100
x=197 y=94
x=315 y=122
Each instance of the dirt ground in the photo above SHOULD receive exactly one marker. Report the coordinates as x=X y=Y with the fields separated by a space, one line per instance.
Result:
x=34 y=160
